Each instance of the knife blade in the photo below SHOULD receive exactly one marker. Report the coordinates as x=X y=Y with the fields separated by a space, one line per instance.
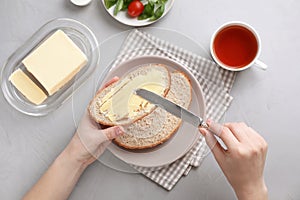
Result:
x=172 y=108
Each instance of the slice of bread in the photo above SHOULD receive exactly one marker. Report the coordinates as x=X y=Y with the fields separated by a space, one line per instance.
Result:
x=158 y=126
x=118 y=105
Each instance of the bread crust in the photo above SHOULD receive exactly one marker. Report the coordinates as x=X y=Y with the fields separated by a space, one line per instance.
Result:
x=90 y=104
x=150 y=145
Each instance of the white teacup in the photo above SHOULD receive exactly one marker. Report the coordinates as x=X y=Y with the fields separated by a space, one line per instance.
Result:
x=236 y=46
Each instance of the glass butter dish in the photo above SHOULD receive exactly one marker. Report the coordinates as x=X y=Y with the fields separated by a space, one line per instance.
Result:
x=81 y=35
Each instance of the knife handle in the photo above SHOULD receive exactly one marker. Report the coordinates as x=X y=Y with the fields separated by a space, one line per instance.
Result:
x=204 y=125
x=216 y=130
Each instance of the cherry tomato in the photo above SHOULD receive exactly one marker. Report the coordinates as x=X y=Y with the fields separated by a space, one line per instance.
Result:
x=135 y=8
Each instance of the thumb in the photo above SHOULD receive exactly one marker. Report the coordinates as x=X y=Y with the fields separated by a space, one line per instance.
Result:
x=113 y=132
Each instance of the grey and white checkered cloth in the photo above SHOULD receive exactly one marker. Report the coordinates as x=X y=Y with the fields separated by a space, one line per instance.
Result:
x=215 y=82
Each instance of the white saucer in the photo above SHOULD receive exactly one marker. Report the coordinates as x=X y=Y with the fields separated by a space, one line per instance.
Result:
x=81 y=2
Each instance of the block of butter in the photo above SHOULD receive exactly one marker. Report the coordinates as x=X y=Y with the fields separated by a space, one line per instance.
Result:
x=27 y=87
x=55 y=62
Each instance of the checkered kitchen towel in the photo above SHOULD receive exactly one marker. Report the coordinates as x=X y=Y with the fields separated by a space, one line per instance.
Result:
x=215 y=82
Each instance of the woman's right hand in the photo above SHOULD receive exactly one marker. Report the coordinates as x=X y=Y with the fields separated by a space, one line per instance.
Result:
x=244 y=159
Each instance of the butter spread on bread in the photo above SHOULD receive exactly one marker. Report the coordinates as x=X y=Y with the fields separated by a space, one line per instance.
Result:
x=118 y=105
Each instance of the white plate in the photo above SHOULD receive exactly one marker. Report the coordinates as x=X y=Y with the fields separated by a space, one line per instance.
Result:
x=111 y=48
x=123 y=17
x=183 y=139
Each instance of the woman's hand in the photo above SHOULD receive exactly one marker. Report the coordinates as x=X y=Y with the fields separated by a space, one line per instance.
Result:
x=86 y=146
x=244 y=159
x=89 y=141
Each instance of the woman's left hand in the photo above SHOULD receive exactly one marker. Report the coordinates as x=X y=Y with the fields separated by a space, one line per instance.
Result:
x=89 y=141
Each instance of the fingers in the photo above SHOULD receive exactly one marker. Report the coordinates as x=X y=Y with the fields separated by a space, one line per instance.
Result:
x=213 y=144
x=244 y=133
x=113 y=132
x=253 y=133
x=257 y=138
x=239 y=130
x=224 y=133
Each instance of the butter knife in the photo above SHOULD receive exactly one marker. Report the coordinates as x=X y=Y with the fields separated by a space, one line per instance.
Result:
x=172 y=108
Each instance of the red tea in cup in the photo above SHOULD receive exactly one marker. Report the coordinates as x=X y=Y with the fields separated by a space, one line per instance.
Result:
x=235 y=46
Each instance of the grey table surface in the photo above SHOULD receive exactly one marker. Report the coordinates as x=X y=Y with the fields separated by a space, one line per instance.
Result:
x=267 y=100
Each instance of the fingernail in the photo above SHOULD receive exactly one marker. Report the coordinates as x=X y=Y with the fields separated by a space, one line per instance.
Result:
x=119 y=130
x=202 y=131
